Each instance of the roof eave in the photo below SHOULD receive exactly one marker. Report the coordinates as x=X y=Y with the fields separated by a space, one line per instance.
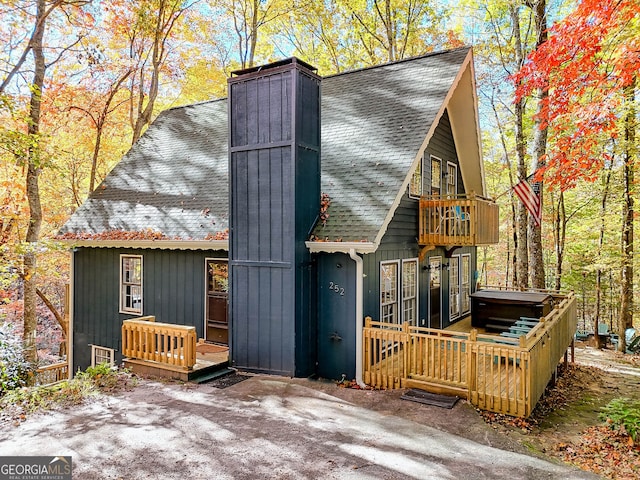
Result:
x=341 y=247
x=149 y=244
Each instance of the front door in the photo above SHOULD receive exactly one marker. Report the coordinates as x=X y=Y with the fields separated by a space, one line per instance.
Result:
x=216 y=319
x=336 y=316
x=435 y=292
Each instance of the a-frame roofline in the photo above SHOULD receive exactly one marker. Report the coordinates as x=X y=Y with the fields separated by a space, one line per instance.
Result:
x=466 y=136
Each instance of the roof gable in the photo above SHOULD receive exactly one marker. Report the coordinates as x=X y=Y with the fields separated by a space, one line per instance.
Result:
x=375 y=124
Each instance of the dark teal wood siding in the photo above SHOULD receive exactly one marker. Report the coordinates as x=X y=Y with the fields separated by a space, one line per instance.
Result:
x=442 y=146
x=173 y=291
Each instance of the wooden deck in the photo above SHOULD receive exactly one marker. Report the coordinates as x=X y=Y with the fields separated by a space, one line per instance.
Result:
x=171 y=351
x=504 y=375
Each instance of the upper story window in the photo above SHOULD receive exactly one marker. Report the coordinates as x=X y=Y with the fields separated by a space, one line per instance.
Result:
x=452 y=178
x=131 y=284
x=415 y=187
x=436 y=175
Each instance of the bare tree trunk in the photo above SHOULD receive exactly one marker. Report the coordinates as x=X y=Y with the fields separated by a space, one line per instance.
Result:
x=560 y=231
x=625 y=320
x=514 y=222
x=254 y=33
x=536 y=258
x=34 y=163
x=599 y=273
x=167 y=16
x=521 y=272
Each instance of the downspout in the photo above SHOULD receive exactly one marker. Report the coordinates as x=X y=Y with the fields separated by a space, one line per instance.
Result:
x=70 y=313
x=359 y=312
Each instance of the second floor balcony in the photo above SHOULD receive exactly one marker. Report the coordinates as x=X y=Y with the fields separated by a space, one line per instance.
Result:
x=457 y=220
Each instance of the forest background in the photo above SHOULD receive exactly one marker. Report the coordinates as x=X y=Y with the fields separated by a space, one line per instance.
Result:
x=557 y=88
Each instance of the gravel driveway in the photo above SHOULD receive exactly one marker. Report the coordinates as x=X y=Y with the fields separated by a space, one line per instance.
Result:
x=271 y=428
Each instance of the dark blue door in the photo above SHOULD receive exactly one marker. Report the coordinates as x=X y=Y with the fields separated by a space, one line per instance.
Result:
x=336 y=316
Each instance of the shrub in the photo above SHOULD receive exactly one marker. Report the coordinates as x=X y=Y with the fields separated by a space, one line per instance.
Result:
x=101 y=378
x=14 y=369
x=623 y=414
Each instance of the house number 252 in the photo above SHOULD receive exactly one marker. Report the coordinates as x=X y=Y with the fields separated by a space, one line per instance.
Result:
x=336 y=288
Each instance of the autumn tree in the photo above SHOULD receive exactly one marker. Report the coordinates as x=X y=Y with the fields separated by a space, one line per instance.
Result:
x=322 y=35
x=504 y=33
x=589 y=66
x=146 y=29
x=391 y=30
x=538 y=149
x=29 y=151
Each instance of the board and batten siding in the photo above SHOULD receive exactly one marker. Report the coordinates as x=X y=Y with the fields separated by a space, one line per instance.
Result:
x=173 y=283
x=274 y=168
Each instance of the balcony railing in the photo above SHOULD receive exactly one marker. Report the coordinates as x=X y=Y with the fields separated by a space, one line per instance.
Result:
x=460 y=220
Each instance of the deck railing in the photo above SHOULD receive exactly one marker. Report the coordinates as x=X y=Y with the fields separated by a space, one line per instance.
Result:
x=145 y=339
x=457 y=220
x=499 y=374
x=53 y=373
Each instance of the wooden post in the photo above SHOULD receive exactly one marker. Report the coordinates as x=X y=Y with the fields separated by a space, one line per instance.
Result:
x=472 y=361
x=573 y=350
x=405 y=356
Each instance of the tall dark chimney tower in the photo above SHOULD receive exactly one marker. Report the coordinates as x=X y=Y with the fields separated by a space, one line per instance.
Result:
x=274 y=155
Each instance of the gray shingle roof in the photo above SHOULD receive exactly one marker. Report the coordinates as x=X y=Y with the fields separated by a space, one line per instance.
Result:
x=175 y=178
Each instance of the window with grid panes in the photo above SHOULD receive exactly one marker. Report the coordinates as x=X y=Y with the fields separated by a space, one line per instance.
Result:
x=454 y=286
x=389 y=292
x=465 y=283
x=415 y=187
x=131 y=284
x=410 y=291
x=101 y=355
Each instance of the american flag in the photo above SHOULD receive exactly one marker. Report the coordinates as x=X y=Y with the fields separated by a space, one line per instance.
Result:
x=530 y=196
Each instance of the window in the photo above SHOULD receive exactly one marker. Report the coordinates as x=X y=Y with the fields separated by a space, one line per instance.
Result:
x=452 y=178
x=454 y=286
x=415 y=187
x=465 y=283
x=389 y=292
x=101 y=355
x=436 y=175
x=410 y=291
x=131 y=284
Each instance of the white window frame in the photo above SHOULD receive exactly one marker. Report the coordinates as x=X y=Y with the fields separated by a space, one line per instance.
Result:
x=124 y=308
x=410 y=291
x=389 y=293
x=103 y=354
x=454 y=287
x=452 y=172
x=465 y=283
x=417 y=180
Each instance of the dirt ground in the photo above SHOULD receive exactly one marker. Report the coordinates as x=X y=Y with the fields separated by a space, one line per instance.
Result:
x=566 y=424
x=316 y=429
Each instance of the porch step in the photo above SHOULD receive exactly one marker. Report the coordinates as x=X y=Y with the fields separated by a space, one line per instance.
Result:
x=428 y=398
x=209 y=376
